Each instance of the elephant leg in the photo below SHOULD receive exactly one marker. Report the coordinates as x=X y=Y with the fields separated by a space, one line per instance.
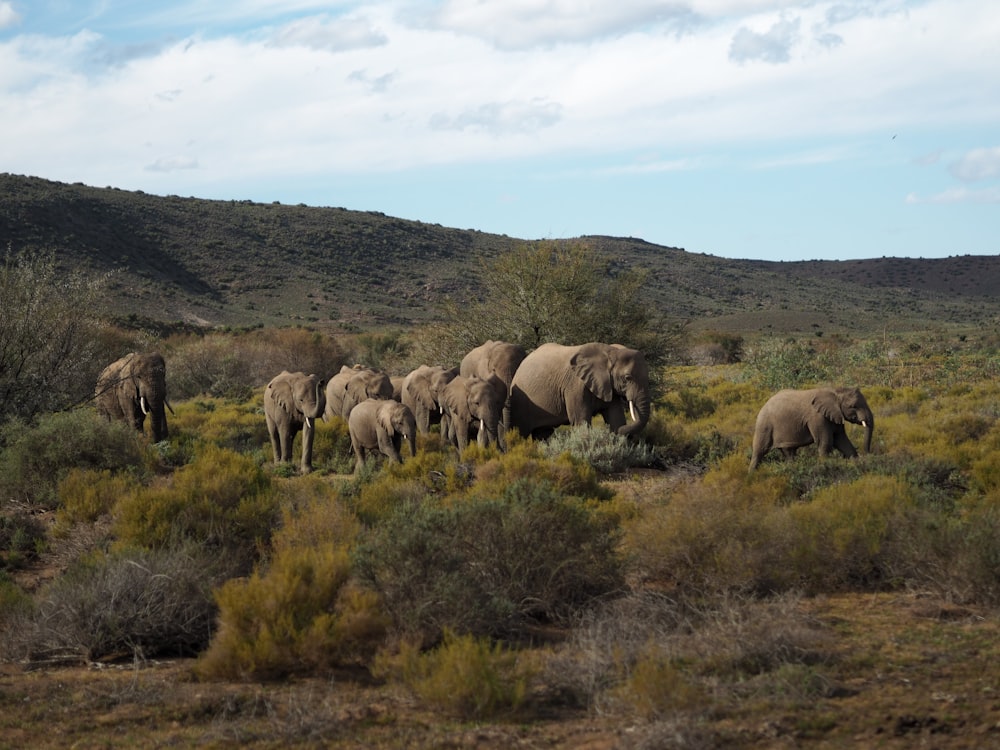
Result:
x=386 y=446
x=272 y=430
x=308 y=432
x=789 y=453
x=843 y=444
x=359 y=458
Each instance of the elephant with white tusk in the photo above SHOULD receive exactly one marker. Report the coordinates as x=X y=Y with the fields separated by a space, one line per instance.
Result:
x=381 y=426
x=474 y=404
x=292 y=402
x=133 y=387
x=792 y=419
x=557 y=385
x=421 y=393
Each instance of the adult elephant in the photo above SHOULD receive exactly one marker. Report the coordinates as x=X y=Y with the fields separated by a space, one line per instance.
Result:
x=292 y=402
x=421 y=392
x=336 y=390
x=557 y=385
x=474 y=403
x=130 y=388
x=792 y=419
x=494 y=358
x=381 y=425
x=365 y=384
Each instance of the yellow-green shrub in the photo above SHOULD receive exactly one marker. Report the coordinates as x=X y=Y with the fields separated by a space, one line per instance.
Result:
x=655 y=687
x=221 y=498
x=839 y=535
x=469 y=677
x=87 y=494
x=568 y=475
x=301 y=615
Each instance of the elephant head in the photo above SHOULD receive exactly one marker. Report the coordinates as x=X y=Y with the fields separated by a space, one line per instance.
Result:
x=421 y=392
x=846 y=405
x=613 y=371
x=398 y=423
x=474 y=402
x=133 y=387
x=364 y=384
x=292 y=402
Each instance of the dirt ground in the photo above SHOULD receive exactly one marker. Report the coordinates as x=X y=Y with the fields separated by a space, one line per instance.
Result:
x=904 y=671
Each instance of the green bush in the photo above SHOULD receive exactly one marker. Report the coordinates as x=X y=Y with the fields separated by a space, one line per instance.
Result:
x=221 y=499
x=606 y=451
x=133 y=603
x=87 y=494
x=22 y=536
x=35 y=459
x=490 y=565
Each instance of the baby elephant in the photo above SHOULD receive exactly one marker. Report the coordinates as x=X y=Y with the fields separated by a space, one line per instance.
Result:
x=381 y=425
x=792 y=419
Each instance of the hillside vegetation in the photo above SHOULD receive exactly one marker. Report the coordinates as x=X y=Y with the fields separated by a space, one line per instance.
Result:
x=239 y=263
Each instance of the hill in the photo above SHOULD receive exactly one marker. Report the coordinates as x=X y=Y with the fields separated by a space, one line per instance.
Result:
x=240 y=263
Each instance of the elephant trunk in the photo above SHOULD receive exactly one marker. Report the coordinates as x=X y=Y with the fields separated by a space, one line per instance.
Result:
x=869 y=425
x=639 y=409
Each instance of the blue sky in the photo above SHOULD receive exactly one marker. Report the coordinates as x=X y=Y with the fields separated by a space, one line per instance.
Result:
x=770 y=129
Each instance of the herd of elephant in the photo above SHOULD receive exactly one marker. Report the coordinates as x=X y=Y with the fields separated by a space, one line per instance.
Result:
x=497 y=386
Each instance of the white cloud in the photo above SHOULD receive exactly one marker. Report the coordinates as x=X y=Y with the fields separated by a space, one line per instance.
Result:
x=772 y=46
x=172 y=164
x=324 y=33
x=501 y=117
x=957 y=195
x=979 y=164
x=8 y=15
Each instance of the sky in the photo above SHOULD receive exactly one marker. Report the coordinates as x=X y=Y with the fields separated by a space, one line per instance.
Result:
x=749 y=129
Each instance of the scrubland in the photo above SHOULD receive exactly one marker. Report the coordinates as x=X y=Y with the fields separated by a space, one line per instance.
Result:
x=588 y=592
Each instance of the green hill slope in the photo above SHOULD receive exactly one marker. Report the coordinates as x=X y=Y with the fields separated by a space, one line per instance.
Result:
x=240 y=263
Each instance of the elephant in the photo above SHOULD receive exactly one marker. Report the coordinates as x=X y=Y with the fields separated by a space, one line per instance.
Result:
x=336 y=390
x=421 y=393
x=557 y=385
x=364 y=384
x=292 y=402
x=792 y=419
x=381 y=425
x=472 y=402
x=131 y=387
x=494 y=357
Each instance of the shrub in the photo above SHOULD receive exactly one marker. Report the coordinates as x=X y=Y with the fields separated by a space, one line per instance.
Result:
x=302 y=613
x=606 y=451
x=490 y=566
x=35 y=459
x=87 y=494
x=469 y=677
x=133 y=603
x=221 y=499
x=22 y=536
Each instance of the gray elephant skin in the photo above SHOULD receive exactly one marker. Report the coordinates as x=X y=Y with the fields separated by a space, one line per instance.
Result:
x=474 y=404
x=130 y=388
x=351 y=386
x=293 y=401
x=557 y=385
x=792 y=419
x=421 y=393
x=498 y=358
x=381 y=426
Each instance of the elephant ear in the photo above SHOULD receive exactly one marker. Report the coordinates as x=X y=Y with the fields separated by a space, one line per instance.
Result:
x=421 y=391
x=384 y=417
x=827 y=404
x=591 y=365
x=281 y=393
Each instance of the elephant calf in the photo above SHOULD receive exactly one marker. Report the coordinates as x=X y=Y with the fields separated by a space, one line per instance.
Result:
x=792 y=419
x=381 y=425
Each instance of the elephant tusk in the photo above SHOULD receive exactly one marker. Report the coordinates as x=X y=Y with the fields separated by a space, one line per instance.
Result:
x=142 y=405
x=631 y=411
x=309 y=423
x=169 y=406
x=482 y=424
x=864 y=423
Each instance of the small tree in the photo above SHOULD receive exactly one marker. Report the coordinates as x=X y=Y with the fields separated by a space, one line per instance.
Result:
x=550 y=292
x=47 y=336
